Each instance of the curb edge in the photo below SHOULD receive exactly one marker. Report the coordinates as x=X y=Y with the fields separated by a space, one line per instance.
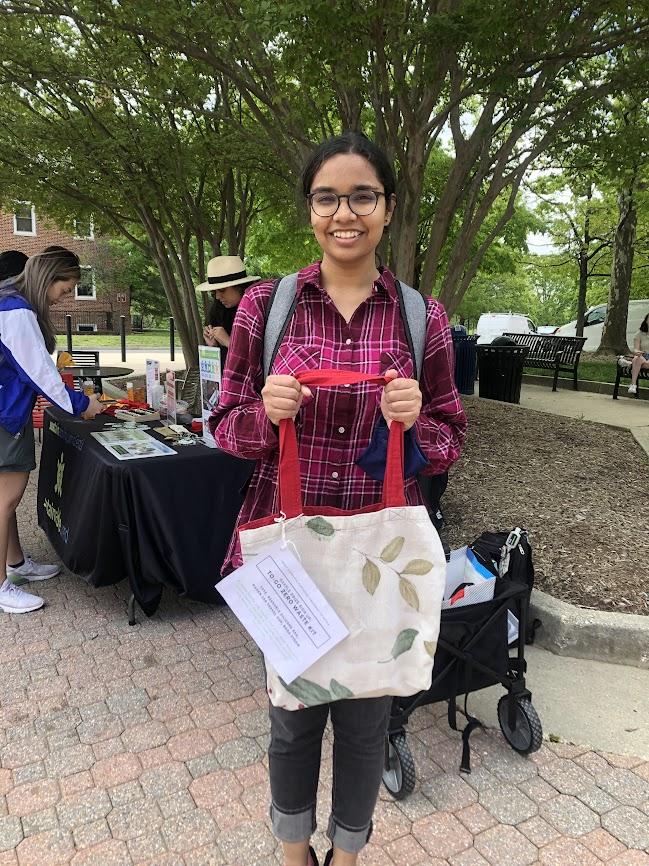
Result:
x=568 y=630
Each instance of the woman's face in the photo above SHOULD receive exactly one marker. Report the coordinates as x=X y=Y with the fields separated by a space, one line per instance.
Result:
x=346 y=238
x=59 y=289
x=228 y=296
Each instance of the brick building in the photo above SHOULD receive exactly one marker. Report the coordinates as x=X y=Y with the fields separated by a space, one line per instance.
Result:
x=91 y=311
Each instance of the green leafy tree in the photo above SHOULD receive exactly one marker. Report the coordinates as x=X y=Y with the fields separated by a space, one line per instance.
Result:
x=626 y=167
x=145 y=166
x=494 y=84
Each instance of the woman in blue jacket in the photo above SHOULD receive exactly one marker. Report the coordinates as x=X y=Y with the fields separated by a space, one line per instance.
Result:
x=27 y=370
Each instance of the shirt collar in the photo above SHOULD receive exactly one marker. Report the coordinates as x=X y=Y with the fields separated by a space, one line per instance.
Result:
x=310 y=276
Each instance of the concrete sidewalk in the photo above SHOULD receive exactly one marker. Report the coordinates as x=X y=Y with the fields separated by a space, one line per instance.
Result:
x=601 y=408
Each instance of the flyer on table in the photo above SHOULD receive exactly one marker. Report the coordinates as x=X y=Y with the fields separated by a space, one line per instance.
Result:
x=131 y=444
x=152 y=378
x=209 y=361
x=170 y=387
x=283 y=610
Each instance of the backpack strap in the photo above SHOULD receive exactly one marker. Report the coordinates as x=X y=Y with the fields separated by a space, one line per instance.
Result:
x=413 y=312
x=281 y=306
x=283 y=300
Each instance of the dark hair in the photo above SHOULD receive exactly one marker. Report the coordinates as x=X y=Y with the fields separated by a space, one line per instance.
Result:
x=645 y=324
x=12 y=263
x=350 y=142
x=41 y=270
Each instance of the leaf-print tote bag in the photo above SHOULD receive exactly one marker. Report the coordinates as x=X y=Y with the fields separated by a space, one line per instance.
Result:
x=381 y=568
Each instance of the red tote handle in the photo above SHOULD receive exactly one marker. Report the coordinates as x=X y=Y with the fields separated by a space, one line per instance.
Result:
x=289 y=480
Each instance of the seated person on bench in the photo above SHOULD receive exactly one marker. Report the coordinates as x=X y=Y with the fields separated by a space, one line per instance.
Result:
x=640 y=354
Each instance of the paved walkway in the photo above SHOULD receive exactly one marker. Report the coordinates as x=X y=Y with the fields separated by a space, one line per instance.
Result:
x=602 y=408
x=146 y=745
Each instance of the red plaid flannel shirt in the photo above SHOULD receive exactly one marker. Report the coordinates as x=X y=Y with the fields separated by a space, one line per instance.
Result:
x=335 y=427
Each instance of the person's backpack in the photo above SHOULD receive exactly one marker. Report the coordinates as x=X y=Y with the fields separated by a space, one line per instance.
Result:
x=508 y=555
x=281 y=306
x=283 y=301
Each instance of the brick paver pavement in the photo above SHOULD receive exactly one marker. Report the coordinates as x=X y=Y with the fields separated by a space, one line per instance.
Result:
x=146 y=745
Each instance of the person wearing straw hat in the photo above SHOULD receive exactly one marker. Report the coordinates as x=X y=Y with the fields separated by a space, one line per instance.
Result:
x=227 y=280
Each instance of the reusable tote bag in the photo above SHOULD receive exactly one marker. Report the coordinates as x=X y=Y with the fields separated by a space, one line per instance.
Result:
x=382 y=569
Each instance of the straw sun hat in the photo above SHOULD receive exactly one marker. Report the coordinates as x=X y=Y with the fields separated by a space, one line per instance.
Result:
x=224 y=271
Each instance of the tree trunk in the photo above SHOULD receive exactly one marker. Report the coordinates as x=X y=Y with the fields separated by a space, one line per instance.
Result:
x=584 y=258
x=614 y=340
x=403 y=236
x=581 y=293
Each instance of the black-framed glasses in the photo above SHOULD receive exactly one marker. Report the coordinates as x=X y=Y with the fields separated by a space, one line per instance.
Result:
x=363 y=202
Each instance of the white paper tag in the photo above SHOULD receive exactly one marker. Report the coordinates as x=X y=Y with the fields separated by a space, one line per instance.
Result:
x=283 y=610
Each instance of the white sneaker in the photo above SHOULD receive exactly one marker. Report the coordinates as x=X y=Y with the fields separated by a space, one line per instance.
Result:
x=633 y=389
x=31 y=570
x=13 y=599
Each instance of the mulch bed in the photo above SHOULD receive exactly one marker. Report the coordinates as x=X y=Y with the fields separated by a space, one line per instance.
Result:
x=581 y=490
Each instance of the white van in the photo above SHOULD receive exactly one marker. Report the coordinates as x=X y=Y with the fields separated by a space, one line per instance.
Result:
x=492 y=325
x=594 y=324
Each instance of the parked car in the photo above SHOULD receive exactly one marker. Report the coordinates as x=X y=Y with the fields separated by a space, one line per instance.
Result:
x=547 y=329
x=492 y=325
x=594 y=323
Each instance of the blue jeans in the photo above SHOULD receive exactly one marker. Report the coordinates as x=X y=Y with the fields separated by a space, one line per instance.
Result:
x=359 y=728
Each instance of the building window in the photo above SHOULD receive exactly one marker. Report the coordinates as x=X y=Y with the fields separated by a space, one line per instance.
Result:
x=86 y=329
x=24 y=219
x=84 y=229
x=86 y=290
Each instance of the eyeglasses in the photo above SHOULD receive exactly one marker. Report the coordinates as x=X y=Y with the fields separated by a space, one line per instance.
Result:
x=363 y=202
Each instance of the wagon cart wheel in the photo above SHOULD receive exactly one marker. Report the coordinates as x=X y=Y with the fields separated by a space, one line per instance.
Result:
x=526 y=735
x=399 y=772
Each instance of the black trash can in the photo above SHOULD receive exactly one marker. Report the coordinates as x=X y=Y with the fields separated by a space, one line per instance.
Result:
x=500 y=372
x=465 y=362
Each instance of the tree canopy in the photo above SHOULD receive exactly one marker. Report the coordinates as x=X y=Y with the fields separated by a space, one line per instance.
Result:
x=184 y=126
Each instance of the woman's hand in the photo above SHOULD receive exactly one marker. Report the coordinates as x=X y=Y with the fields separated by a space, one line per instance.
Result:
x=94 y=408
x=283 y=396
x=208 y=335
x=401 y=400
x=221 y=336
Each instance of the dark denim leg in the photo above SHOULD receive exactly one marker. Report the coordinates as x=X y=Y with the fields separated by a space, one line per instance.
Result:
x=294 y=762
x=360 y=728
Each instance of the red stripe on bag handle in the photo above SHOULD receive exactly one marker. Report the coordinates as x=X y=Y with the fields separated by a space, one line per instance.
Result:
x=289 y=480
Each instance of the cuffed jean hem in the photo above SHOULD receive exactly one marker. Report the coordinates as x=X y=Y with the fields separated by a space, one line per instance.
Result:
x=293 y=826
x=351 y=841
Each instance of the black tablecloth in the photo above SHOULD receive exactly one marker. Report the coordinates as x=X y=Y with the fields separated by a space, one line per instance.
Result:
x=157 y=521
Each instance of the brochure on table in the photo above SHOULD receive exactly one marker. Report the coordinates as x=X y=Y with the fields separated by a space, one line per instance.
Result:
x=152 y=380
x=131 y=444
x=170 y=382
x=283 y=610
x=209 y=361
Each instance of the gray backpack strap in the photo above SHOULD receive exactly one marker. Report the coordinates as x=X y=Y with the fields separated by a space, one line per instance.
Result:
x=281 y=305
x=413 y=313
x=283 y=301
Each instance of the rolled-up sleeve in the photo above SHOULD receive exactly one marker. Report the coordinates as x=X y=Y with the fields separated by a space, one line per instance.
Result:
x=239 y=423
x=441 y=427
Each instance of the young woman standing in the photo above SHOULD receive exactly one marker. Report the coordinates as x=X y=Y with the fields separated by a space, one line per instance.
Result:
x=27 y=370
x=347 y=316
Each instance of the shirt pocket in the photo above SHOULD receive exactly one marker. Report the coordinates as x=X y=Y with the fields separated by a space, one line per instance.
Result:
x=399 y=361
x=292 y=359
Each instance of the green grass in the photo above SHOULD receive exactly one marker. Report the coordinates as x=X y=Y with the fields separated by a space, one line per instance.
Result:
x=594 y=371
x=145 y=340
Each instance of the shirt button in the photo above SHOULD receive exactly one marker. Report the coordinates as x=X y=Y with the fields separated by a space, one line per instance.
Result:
x=347 y=386
x=348 y=341
x=341 y=429
x=334 y=475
